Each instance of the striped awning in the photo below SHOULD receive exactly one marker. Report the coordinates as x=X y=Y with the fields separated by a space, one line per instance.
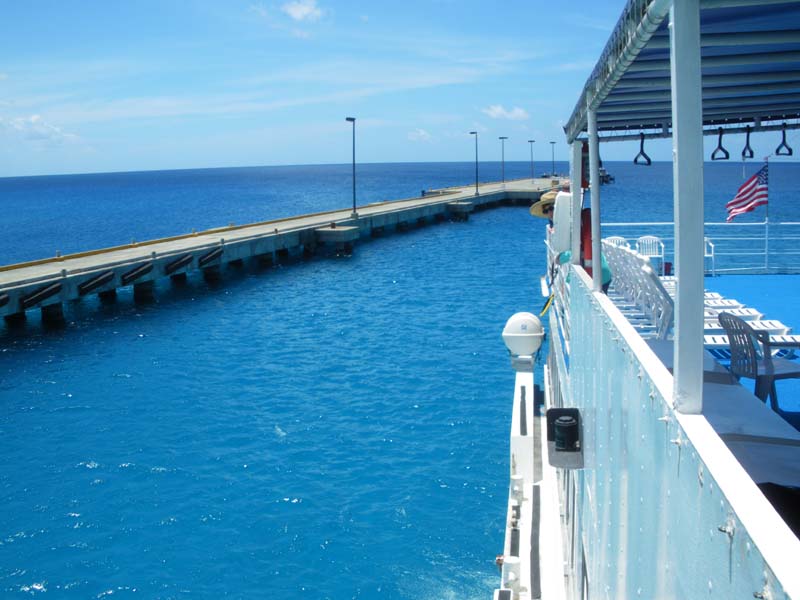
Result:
x=750 y=70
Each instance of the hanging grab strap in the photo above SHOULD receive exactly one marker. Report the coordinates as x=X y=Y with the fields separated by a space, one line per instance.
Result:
x=719 y=149
x=747 y=151
x=642 y=154
x=784 y=149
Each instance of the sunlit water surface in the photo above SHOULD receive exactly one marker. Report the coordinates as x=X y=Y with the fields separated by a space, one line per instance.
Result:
x=335 y=428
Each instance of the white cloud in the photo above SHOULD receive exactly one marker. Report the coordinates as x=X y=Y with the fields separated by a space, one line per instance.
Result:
x=36 y=129
x=3 y=76
x=393 y=75
x=333 y=81
x=497 y=111
x=303 y=10
x=419 y=135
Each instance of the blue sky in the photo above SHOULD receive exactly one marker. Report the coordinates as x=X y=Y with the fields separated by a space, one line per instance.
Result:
x=118 y=86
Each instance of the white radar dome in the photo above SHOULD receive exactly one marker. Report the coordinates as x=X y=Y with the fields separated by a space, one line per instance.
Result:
x=523 y=334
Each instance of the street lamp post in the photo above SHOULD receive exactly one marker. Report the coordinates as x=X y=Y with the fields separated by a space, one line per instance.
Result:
x=533 y=173
x=503 y=139
x=475 y=133
x=553 y=158
x=353 y=121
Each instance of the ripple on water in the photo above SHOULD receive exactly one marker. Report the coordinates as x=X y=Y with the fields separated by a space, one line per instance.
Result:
x=339 y=425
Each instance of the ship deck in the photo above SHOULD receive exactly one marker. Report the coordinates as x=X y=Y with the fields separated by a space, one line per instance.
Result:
x=777 y=297
x=766 y=442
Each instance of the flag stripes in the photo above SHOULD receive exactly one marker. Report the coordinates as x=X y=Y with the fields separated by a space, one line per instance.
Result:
x=752 y=193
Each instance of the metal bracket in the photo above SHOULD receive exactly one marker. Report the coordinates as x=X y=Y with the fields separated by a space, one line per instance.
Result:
x=642 y=154
x=725 y=154
x=783 y=149
x=747 y=151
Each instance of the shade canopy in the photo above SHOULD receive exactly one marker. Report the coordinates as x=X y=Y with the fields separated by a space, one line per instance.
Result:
x=750 y=69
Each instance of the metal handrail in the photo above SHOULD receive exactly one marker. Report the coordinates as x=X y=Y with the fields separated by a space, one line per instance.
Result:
x=739 y=247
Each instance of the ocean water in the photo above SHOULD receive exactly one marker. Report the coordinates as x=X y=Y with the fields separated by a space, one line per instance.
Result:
x=67 y=213
x=332 y=428
x=644 y=194
x=335 y=428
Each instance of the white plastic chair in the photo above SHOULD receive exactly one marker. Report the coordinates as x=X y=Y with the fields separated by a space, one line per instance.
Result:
x=652 y=247
x=754 y=362
x=638 y=292
x=618 y=241
x=708 y=253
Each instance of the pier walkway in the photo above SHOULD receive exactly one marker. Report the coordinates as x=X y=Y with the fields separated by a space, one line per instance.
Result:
x=46 y=284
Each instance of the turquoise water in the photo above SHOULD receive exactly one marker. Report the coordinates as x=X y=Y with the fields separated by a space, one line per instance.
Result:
x=70 y=213
x=333 y=429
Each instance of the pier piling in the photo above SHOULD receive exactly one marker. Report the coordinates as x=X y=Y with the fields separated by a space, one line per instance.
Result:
x=144 y=291
x=108 y=296
x=46 y=284
x=212 y=274
x=53 y=314
x=15 y=319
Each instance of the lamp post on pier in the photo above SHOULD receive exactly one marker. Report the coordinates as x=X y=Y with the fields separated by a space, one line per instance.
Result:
x=553 y=158
x=353 y=121
x=533 y=175
x=475 y=133
x=503 y=139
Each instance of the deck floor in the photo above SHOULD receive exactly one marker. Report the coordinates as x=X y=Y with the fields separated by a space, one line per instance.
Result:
x=778 y=297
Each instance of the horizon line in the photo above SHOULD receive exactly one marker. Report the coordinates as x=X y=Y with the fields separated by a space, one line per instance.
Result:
x=346 y=164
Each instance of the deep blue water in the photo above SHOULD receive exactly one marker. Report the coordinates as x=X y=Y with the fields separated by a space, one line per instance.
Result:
x=69 y=213
x=335 y=428
x=332 y=429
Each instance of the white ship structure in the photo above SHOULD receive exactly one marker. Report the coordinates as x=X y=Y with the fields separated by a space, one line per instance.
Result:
x=641 y=467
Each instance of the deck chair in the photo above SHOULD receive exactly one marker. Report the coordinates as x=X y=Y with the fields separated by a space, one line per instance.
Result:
x=652 y=247
x=708 y=254
x=748 y=361
x=618 y=241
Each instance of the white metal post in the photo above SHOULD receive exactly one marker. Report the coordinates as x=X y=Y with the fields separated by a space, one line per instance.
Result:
x=766 y=239
x=687 y=173
x=575 y=176
x=594 y=187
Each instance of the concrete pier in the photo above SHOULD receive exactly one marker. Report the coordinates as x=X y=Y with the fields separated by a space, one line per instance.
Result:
x=46 y=284
x=53 y=314
x=144 y=291
x=107 y=296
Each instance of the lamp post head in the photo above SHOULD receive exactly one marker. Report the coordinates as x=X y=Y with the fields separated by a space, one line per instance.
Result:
x=503 y=137
x=350 y=119
x=473 y=133
x=531 y=141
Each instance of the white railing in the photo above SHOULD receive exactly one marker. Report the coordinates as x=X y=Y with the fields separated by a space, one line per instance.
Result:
x=557 y=279
x=636 y=281
x=765 y=247
x=662 y=508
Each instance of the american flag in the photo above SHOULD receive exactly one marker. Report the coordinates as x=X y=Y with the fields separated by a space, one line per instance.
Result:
x=752 y=193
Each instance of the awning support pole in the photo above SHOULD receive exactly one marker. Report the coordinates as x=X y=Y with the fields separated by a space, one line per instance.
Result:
x=576 y=176
x=594 y=186
x=687 y=150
